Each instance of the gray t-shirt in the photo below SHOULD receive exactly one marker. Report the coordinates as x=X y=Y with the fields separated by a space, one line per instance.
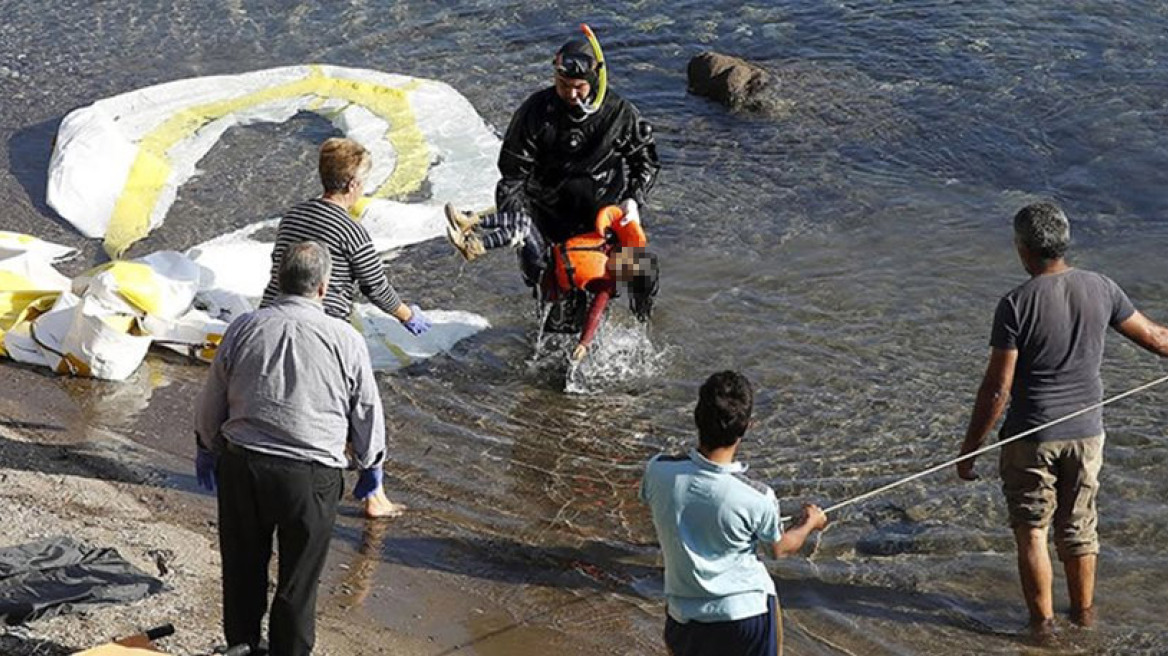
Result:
x=1057 y=323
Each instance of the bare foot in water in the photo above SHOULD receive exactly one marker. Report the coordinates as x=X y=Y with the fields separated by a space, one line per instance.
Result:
x=1041 y=632
x=378 y=506
x=1084 y=618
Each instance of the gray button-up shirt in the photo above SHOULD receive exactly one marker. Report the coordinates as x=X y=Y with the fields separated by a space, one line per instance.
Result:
x=290 y=381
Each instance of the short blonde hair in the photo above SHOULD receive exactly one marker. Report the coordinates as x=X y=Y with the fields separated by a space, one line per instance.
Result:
x=342 y=161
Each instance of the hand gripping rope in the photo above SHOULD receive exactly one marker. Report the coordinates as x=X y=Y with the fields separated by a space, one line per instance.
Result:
x=984 y=449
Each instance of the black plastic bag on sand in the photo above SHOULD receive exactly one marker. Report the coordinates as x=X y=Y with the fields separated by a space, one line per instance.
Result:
x=59 y=575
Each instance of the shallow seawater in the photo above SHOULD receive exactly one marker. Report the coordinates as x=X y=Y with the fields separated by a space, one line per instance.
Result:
x=845 y=251
x=623 y=358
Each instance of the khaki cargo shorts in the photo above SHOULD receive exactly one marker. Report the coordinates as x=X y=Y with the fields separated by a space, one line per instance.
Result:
x=1059 y=480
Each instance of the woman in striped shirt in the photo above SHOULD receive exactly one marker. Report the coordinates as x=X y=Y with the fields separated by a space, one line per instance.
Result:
x=344 y=164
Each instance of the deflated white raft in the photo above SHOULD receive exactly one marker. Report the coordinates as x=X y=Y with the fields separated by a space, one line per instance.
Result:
x=238 y=265
x=118 y=164
x=103 y=323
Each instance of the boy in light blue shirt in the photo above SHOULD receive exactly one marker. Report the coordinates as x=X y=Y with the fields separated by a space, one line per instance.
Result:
x=710 y=521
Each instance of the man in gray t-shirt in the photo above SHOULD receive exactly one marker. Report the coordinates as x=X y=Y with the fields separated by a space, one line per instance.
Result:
x=1047 y=346
x=1057 y=322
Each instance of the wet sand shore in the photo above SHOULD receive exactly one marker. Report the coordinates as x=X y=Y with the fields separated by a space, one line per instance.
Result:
x=404 y=586
x=108 y=492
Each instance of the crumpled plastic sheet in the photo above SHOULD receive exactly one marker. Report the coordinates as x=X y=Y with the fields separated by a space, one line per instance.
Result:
x=60 y=575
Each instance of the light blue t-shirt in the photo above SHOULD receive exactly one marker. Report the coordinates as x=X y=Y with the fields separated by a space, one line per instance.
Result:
x=710 y=520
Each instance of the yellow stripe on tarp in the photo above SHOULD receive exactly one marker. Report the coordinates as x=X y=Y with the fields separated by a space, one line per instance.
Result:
x=17 y=307
x=359 y=207
x=17 y=238
x=151 y=169
x=136 y=282
x=16 y=294
x=10 y=281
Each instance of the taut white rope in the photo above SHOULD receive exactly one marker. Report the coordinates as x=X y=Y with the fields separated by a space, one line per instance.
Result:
x=990 y=447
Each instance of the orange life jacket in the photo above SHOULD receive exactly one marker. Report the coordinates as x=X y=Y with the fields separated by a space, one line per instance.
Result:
x=583 y=258
x=628 y=233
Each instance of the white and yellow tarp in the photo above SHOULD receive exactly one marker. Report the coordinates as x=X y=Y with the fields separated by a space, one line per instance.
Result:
x=28 y=282
x=118 y=164
x=102 y=323
x=16 y=243
x=238 y=265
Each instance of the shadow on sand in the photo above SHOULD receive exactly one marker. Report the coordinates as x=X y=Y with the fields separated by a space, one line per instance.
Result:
x=895 y=605
x=29 y=152
x=604 y=567
x=595 y=565
x=96 y=459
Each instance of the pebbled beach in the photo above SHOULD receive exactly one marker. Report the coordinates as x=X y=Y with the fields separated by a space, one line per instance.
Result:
x=102 y=489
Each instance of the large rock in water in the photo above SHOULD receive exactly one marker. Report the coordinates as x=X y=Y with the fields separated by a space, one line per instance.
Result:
x=732 y=81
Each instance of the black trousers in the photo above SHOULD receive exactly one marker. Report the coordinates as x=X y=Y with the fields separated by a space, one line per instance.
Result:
x=533 y=254
x=761 y=635
x=261 y=495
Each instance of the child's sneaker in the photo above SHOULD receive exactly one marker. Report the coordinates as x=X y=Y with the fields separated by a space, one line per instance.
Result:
x=467 y=244
x=463 y=222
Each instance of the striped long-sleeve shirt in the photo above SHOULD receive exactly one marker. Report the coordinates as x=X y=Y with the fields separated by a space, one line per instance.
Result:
x=355 y=263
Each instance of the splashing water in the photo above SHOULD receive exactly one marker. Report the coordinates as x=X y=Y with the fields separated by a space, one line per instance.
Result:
x=622 y=357
x=542 y=312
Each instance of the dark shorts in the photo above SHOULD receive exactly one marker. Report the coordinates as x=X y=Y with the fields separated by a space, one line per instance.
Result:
x=761 y=635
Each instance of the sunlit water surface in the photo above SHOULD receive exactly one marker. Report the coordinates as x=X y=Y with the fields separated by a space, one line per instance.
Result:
x=845 y=252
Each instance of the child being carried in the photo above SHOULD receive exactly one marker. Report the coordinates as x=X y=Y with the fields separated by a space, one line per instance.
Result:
x=592 y=263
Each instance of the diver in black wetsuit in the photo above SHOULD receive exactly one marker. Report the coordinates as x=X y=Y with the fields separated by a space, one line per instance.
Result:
x=563 y=159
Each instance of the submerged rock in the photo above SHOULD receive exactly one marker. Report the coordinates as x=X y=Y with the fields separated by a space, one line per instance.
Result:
x=734 y=82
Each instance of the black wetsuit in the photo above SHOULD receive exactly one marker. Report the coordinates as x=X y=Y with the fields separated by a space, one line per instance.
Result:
x=561 y=171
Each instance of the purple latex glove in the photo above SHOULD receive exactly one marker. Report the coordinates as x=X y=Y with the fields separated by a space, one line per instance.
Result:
x=418 y=322
x=205 y=468
x=368 y=482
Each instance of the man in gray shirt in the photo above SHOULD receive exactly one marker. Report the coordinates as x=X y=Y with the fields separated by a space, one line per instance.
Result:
x=289 y=390
x=1047 y=347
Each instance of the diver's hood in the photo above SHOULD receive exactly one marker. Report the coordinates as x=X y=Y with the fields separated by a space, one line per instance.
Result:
x=576 y=60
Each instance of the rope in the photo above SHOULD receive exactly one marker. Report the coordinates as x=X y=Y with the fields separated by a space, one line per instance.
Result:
x=984 y=449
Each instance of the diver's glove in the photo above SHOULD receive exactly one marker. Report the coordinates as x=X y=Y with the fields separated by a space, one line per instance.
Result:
x=368 y=483
x=418 y=323
x=205 y=468
x=632 y=214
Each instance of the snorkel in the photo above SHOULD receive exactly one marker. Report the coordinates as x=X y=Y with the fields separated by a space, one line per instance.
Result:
x=581 y=60
x=602 y=86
